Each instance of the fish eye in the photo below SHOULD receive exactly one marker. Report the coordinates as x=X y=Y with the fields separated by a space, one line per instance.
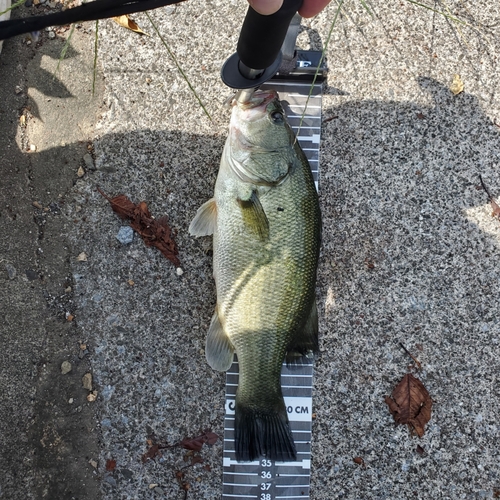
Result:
x=277 y=117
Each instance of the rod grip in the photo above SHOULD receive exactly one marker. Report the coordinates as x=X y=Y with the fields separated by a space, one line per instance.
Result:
x=261 y=37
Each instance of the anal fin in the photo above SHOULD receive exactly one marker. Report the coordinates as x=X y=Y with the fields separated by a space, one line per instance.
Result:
x=306 y=339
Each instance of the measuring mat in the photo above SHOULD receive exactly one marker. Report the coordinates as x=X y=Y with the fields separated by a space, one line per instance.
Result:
x=266 y=479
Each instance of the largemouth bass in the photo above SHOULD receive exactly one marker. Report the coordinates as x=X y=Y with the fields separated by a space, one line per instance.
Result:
x=266 y=225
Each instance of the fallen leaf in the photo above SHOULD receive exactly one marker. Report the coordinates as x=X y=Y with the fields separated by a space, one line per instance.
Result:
x=457 y=85
x=154 y=232
x=197 y=442
x=153 y=452
x=358 y=461
x=110 y=465
x=196 y=459
x=494 y=204
x=410 y=404
x=126 y=22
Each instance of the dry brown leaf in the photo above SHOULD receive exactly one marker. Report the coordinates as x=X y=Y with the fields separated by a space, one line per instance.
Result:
x=110 y=465
x=197 y=442
x=153 y=452
x=410 y=404
x=126 y=22
x=457 y=85
x=420 y=450
x=154 y=232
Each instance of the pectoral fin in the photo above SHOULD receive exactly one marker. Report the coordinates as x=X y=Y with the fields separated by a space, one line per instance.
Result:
x=254 y=217
x=306 y=340
x=219 y=350
x=205 y=220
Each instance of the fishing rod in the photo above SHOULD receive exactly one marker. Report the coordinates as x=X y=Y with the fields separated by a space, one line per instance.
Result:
x=92 y=11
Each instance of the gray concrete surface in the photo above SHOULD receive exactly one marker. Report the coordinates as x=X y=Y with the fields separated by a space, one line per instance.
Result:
x=48 y=430
x=410 y=252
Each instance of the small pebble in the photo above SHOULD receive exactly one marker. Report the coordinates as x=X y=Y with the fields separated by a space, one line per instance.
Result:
x=65 y=367
x=28 y=3
x=82 y=257
x=18 y=89
x=37 y=204
x=68 y=290
x=70 y=401
x=87 y=381
x=80 y=172
x=89 y=161
x=179 y=271
x=32 y=148
x=125 y=235
x=52 y=35
x=93 y=463
x=11 y=271
x=110 y=480
x=32 y=275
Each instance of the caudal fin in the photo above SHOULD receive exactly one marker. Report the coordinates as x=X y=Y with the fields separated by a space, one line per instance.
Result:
x=263 y=434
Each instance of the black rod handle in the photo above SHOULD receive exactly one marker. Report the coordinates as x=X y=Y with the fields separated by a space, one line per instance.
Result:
x=261 y=36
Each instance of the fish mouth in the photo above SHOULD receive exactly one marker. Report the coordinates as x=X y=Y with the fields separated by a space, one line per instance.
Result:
x=259 y=99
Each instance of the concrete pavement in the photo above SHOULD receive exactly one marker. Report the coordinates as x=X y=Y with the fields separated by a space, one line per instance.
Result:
x=410 y=253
